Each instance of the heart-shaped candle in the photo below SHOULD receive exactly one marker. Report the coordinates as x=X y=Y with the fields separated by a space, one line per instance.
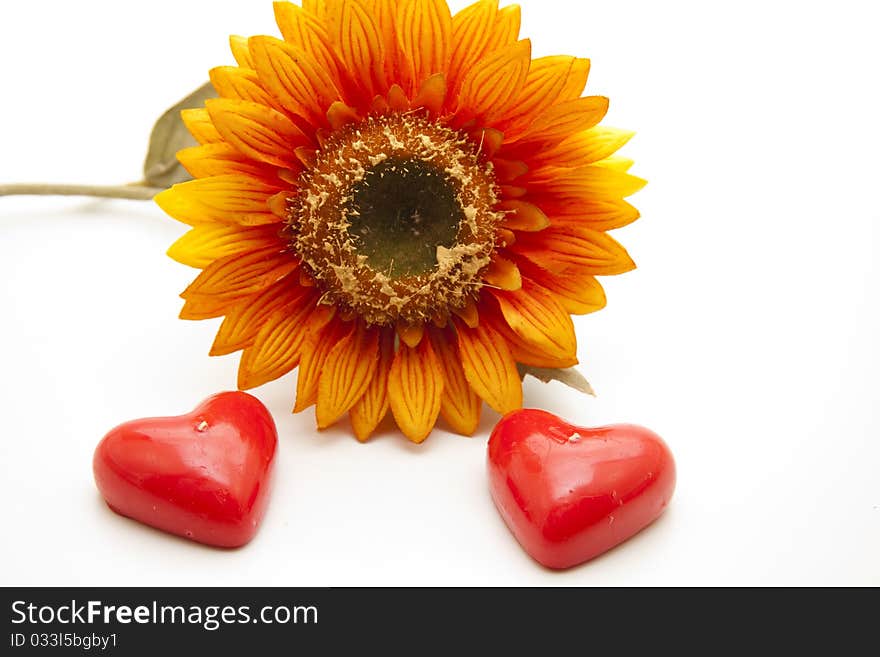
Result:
x=204 y=475
x=570 y=493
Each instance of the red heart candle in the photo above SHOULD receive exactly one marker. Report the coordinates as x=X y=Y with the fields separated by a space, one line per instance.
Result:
x=204 y=475
x=570 y=493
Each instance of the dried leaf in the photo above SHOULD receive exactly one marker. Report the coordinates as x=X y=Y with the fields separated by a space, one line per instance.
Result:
x=570 y=377
x=161 y=168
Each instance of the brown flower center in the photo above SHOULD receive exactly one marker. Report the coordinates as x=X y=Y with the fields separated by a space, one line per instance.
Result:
x=396 y=220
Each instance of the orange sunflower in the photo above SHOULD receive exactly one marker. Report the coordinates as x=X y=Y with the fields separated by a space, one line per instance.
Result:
x=403 y=204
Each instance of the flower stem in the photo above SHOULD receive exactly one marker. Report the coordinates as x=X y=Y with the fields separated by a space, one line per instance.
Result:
x=135 y=191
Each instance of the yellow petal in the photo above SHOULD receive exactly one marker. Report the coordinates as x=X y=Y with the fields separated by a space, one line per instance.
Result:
x=223 y=159
x=257 y=131
x=415 y=389
x=506 y=30
x=591 y=183
x=372 y=407
x=503 y=274
x=539 y=320
x=200 y=126
x=583 y=148
x=578 y=292
x=205 y=308
x=239 y=47
x=558 y=249
x=206 y=243
x=550 y=80
x=472 y=28
x=508 y=170
x=231 y=199
x=523 y=216
x=489 y=367
x=468 y=314
x=242 y=84
x=493 y=84
x=460 y=405
x=318 y=345
x=522 y=351
x=276 y=349
x=340 y=115
x=242 y=274
x=306 y=32
x=432 y=94
x=294 y=77
x=598 y=215
x=410 y=334
x=489 y=140
x=347 y=374
x=565 y=119
x=245 y=320
x=424 y=30
x=360 y=46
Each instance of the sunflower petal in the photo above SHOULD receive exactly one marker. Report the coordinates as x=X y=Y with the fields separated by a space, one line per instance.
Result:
x=276 y=349
x=360 y=46
x=223 y=159
x=578 y=292
x=239 y=47
x=503 y=274
x=591 y=182
x=347 y=374
x=241 y=274
x=204 y=244
x=524 y=352
x=523 y=216
x=583 y=148
x=460 y=406
x=244 y=320
x=472 y=29
x=385 y=14
x=294 y=77
x=489 y=367
x=318 y=345
x=372 y=407
x=598 y=215
x=199 y=309
x=256 y=130
x=432 y=94
x=415 y=390
x=550 y=80
x=468 y=314
x=303 y=30
x=242 y=84
x=410 y=334
x=424 y=30
x=539 y=320
x=231 y=199
x=340 y=115
x=493 y=84
x=558 y=249
x=506 y=30
x=566 y=118
x=200 y=126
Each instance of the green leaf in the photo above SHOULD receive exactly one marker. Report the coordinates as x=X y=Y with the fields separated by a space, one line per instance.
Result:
x=161 y=168
x=570 y=377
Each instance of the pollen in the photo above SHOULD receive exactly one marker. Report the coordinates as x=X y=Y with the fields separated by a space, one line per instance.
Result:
x=396 y=221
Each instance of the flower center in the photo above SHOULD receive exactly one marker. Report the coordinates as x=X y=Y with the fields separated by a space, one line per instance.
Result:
x=395 y=220
x=399 y=214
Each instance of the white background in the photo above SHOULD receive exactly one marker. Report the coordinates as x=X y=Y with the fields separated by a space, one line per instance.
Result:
x=748 y=337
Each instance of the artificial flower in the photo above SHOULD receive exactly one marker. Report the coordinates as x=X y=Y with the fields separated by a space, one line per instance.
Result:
x=404 y=205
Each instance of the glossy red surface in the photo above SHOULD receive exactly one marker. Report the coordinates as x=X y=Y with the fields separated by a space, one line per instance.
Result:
x=205 y=475
x=570 y=493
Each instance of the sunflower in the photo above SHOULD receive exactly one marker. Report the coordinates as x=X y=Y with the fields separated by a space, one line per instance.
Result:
x=404 y=205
